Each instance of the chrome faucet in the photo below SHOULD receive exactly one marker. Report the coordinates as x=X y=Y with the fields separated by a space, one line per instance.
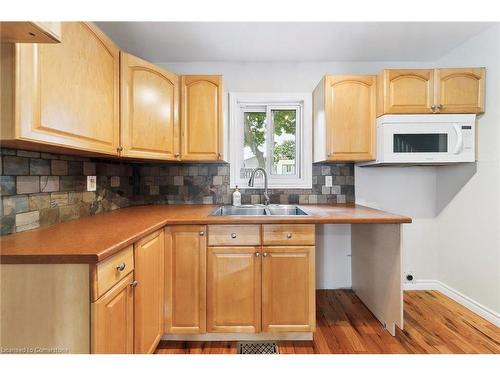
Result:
x=251 y=183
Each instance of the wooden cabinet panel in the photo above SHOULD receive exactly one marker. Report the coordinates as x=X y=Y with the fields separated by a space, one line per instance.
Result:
x=460 y=90
x=150 y=110
x=405 y=91
x=234 y=289
x=30 y=32
x=350 y=117
x=149 y=292
x=233 y=235
x=185 y=269
x=113 y=320
x=288 y=234
x=108 y=272
x=67 y=94
x=288 y=289
x=201 y=117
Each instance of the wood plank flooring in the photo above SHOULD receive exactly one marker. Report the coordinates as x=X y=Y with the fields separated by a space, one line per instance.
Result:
x=433 y=324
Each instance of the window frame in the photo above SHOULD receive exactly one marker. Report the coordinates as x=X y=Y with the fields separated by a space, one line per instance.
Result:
x=245 y=102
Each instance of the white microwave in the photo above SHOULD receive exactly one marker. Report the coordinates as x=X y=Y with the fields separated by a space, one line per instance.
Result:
x=425 y=139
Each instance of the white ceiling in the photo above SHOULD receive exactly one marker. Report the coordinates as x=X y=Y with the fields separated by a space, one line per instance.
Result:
x=290 y=41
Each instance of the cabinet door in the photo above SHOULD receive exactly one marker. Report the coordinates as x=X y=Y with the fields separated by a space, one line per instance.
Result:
x=149 y=292
x=234 y=289
x=113 y=320
x=185 y=269
x=201 y=117
x=69 y=92
x=350 y=111
x=460 y=90
x=150 y=110
x=288 y=289
x=406 y=91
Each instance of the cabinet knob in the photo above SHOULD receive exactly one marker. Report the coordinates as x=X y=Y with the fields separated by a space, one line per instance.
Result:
x=219 y=156
x=233 y=235
x=288 y=235
x=119 y=149
x=120 y=267
x=134 y=283
x=177 y=154
x=257 y=254
x=433 y=107
x=202 y=233
x=265 y=254
x=440 y=106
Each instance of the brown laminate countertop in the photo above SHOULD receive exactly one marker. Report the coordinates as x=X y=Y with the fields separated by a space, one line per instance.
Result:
x=94 y=238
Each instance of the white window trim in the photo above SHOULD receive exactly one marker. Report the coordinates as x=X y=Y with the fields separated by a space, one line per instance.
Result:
x=304 y=149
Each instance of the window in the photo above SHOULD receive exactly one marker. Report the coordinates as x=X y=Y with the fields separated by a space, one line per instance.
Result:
x=271 y=131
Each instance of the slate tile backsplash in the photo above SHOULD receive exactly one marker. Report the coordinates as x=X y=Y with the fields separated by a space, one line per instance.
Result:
x=40 y=189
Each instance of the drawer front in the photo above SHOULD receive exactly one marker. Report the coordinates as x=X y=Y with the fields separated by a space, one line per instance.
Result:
x=233 y=235
x=112 y=270
x=290 y=234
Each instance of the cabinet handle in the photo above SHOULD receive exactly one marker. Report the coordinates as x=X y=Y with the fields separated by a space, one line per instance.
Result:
x=433 y=107
x=265 y=254
x=120 y=267
x=219 y=156
x=257 y=254
x=288 y=235
x=233 y=235
x=440 y=106
x=177 y=155
x=134 y=283
x=202 y=233
x=119 y=149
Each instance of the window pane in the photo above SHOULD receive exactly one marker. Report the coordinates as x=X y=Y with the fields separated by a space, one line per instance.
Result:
x=254 y=150
x=284 y=154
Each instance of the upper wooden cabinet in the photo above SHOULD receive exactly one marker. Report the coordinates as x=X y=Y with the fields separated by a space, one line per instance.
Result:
x=30 y=32
x=62 y=95
x=344 y=118
x=460 y=90
x=150 y=110
x=149 y=292
x=413 y=91
x=405 y=91
x=185 y=269
x=201 y=117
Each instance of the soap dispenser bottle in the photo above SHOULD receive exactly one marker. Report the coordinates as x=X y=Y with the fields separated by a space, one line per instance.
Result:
x=236 y=197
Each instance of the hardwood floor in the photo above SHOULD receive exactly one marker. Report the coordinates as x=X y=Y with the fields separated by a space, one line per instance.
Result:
x=433 y=324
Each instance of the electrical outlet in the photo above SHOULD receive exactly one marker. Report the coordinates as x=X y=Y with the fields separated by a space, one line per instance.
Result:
x=328 y=181
x=115 y=181
x=91 y=183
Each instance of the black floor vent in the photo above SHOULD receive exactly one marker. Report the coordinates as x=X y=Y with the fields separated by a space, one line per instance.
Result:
x=258 y=347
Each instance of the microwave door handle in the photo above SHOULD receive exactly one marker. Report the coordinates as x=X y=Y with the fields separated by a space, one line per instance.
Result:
x=460 y=139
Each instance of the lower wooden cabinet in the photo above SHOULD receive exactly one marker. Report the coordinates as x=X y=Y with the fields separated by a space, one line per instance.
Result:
x=185 y=269
x=288 y=289
x=149 y=292
x=112 y=326
x=234 y=289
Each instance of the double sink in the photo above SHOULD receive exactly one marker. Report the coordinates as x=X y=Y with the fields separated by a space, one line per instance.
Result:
x=259 y=210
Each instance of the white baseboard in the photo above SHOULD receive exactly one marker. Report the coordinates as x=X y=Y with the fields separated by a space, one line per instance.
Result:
x=455 y=295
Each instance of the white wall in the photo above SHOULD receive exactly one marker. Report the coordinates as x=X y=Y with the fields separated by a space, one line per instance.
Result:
x=333 y=251
x=468 y=197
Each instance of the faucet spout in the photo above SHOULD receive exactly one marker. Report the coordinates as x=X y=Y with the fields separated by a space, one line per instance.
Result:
x=252 y=180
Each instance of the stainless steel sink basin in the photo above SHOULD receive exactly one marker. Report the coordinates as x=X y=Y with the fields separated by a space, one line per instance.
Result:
x=258 y=210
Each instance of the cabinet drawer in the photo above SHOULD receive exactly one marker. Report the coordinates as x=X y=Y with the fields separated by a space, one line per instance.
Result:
x=110 y=271
x=233 y=235
x=290 y=234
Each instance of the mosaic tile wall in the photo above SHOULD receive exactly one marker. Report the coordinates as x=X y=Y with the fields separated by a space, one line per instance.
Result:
x=40 y=189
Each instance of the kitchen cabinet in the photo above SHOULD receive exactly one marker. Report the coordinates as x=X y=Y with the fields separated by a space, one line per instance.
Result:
x=288 y=289
x=460 y=90
x=112 y=329
x=185 y=269
x=62 y=97
x=234 y=289
x=149 y=110
x=344 y=118
x=414 y=91
x=201 y=118
x=149 y=292
x=30 y=32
